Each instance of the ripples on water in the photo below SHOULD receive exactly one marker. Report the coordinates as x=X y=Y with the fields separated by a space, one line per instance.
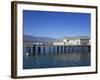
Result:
x=53 y=60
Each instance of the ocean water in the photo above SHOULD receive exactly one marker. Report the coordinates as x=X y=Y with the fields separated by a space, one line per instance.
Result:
x=53 y=59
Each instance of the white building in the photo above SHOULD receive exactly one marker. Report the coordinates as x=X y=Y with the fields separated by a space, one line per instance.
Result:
x=73 y=41
x=58 y=42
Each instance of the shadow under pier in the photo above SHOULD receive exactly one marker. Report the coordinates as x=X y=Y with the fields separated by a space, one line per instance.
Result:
x=55 y=49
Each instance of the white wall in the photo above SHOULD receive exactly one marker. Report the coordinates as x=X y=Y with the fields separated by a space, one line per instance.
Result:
x=5 y=43
x=73 y=42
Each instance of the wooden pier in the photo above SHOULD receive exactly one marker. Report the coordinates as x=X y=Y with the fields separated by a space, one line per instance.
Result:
x=54 y=49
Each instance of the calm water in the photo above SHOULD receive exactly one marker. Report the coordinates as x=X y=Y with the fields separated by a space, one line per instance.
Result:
x=53 y=60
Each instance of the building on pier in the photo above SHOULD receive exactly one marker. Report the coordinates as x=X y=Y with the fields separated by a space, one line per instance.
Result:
x=64 y=41
x=73 y=41
x=67 y=44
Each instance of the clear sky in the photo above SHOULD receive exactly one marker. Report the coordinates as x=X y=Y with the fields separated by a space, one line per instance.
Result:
x=55 y=24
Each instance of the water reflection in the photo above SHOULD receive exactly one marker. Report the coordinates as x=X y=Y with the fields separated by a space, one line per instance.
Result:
x=51 y=58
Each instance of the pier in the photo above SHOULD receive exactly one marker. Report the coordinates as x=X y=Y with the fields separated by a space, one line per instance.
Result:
x=32 y=49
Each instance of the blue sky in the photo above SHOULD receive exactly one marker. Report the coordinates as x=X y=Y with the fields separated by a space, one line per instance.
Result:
x=55 y=24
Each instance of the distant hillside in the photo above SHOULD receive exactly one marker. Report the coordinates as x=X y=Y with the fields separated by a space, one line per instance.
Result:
x=78 y=37
x=27 y=38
